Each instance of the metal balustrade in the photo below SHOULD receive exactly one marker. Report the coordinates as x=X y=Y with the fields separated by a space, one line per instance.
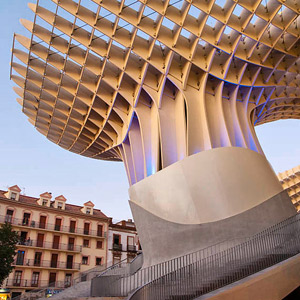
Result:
x=53 y=227
x=46 y=264
x=206 y=269
x=49 y=245
x=203 y=275
x=120 y=285
x=131 y=248
x=117 y=247
x=36 y=284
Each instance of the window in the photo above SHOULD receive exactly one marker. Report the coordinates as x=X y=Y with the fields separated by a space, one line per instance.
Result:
x=54 y=260
x=86 y=243
x=55 y=244
x=86 y=229
x=85 y=260
x=68 y=279
x=9 y=214
x=130 y=244
x=17 y=278
x=37 y=259
x=72 y=226
x=100 y=230
x=40 y=240
x=98 y=261
x=20 y=257
x=70 y=262
x=117 y=246
x=88 y=211
x=57 y=224
x=52 y=279
x=13 y=196
x=117 y=239
x=71 y=243
x=26 y=218
x=35 y=279
x=23 y=237
x=45 y=202
x=59 y=205
x=42 y=223
x=99 y=245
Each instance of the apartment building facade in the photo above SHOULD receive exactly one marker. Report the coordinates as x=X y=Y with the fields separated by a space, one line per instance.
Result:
x=123 y=242
x=290 y=181
x=57 y=240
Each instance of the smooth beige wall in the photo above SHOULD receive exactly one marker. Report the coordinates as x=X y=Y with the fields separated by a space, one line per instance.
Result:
x=208 y=186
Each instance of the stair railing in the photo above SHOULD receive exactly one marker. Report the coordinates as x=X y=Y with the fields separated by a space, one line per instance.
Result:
x=204 y=275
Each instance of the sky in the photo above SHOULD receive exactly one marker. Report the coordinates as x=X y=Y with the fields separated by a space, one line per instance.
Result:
x=37 y=165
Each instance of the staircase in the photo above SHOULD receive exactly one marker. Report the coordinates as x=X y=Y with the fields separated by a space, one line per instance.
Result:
x=80 y=286
x=202 y=276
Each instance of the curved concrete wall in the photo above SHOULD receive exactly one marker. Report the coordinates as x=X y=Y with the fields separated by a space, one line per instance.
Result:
x=163 y=240
x=208 y=186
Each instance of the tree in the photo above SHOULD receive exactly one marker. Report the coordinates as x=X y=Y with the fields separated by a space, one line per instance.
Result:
x=8 y=240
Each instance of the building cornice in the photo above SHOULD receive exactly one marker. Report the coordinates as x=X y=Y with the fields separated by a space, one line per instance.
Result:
x=52 y=209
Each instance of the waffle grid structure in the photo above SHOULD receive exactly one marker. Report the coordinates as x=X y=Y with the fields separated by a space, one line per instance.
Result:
x=290 y=181
x=151 y=82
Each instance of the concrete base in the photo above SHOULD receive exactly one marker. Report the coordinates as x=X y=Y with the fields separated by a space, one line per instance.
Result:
x=210 y=197
x=273 y=283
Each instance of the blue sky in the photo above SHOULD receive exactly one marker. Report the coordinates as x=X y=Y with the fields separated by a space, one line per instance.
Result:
x=36 y=164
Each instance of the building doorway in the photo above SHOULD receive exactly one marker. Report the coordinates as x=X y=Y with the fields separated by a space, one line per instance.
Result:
x=70 y=262
x=52 y=279
x=40 y=240
x=42 y=222
x=20 y=257
x=55 y=244
x=54 y=260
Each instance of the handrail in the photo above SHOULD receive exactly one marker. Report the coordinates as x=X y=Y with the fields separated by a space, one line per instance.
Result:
x=111 y=269
x=202 y=276
x=123 y=283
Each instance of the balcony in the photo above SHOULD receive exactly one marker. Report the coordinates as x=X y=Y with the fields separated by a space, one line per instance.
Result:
x=11 y=283
x=117 y=247
x=49 y=245
x=131 y=248
x=50 y=227
x=47 y=264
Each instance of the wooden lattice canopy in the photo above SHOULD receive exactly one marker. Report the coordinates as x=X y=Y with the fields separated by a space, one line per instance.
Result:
x=152 y=81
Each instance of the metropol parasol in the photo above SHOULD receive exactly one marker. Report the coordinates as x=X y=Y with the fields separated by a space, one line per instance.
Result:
x=173 y=89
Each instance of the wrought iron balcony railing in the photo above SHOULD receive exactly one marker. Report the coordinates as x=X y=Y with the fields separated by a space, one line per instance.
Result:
x=117 y=247
x=52 y=227
x=46 y=264
x=49 y=245
x=131 y=248
x=36 y=283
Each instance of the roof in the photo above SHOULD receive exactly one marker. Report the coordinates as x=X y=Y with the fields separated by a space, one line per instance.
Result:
x=46 y=195
x=127 y=225
x=61 y=198
x=72 y=208
x=15 y=188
